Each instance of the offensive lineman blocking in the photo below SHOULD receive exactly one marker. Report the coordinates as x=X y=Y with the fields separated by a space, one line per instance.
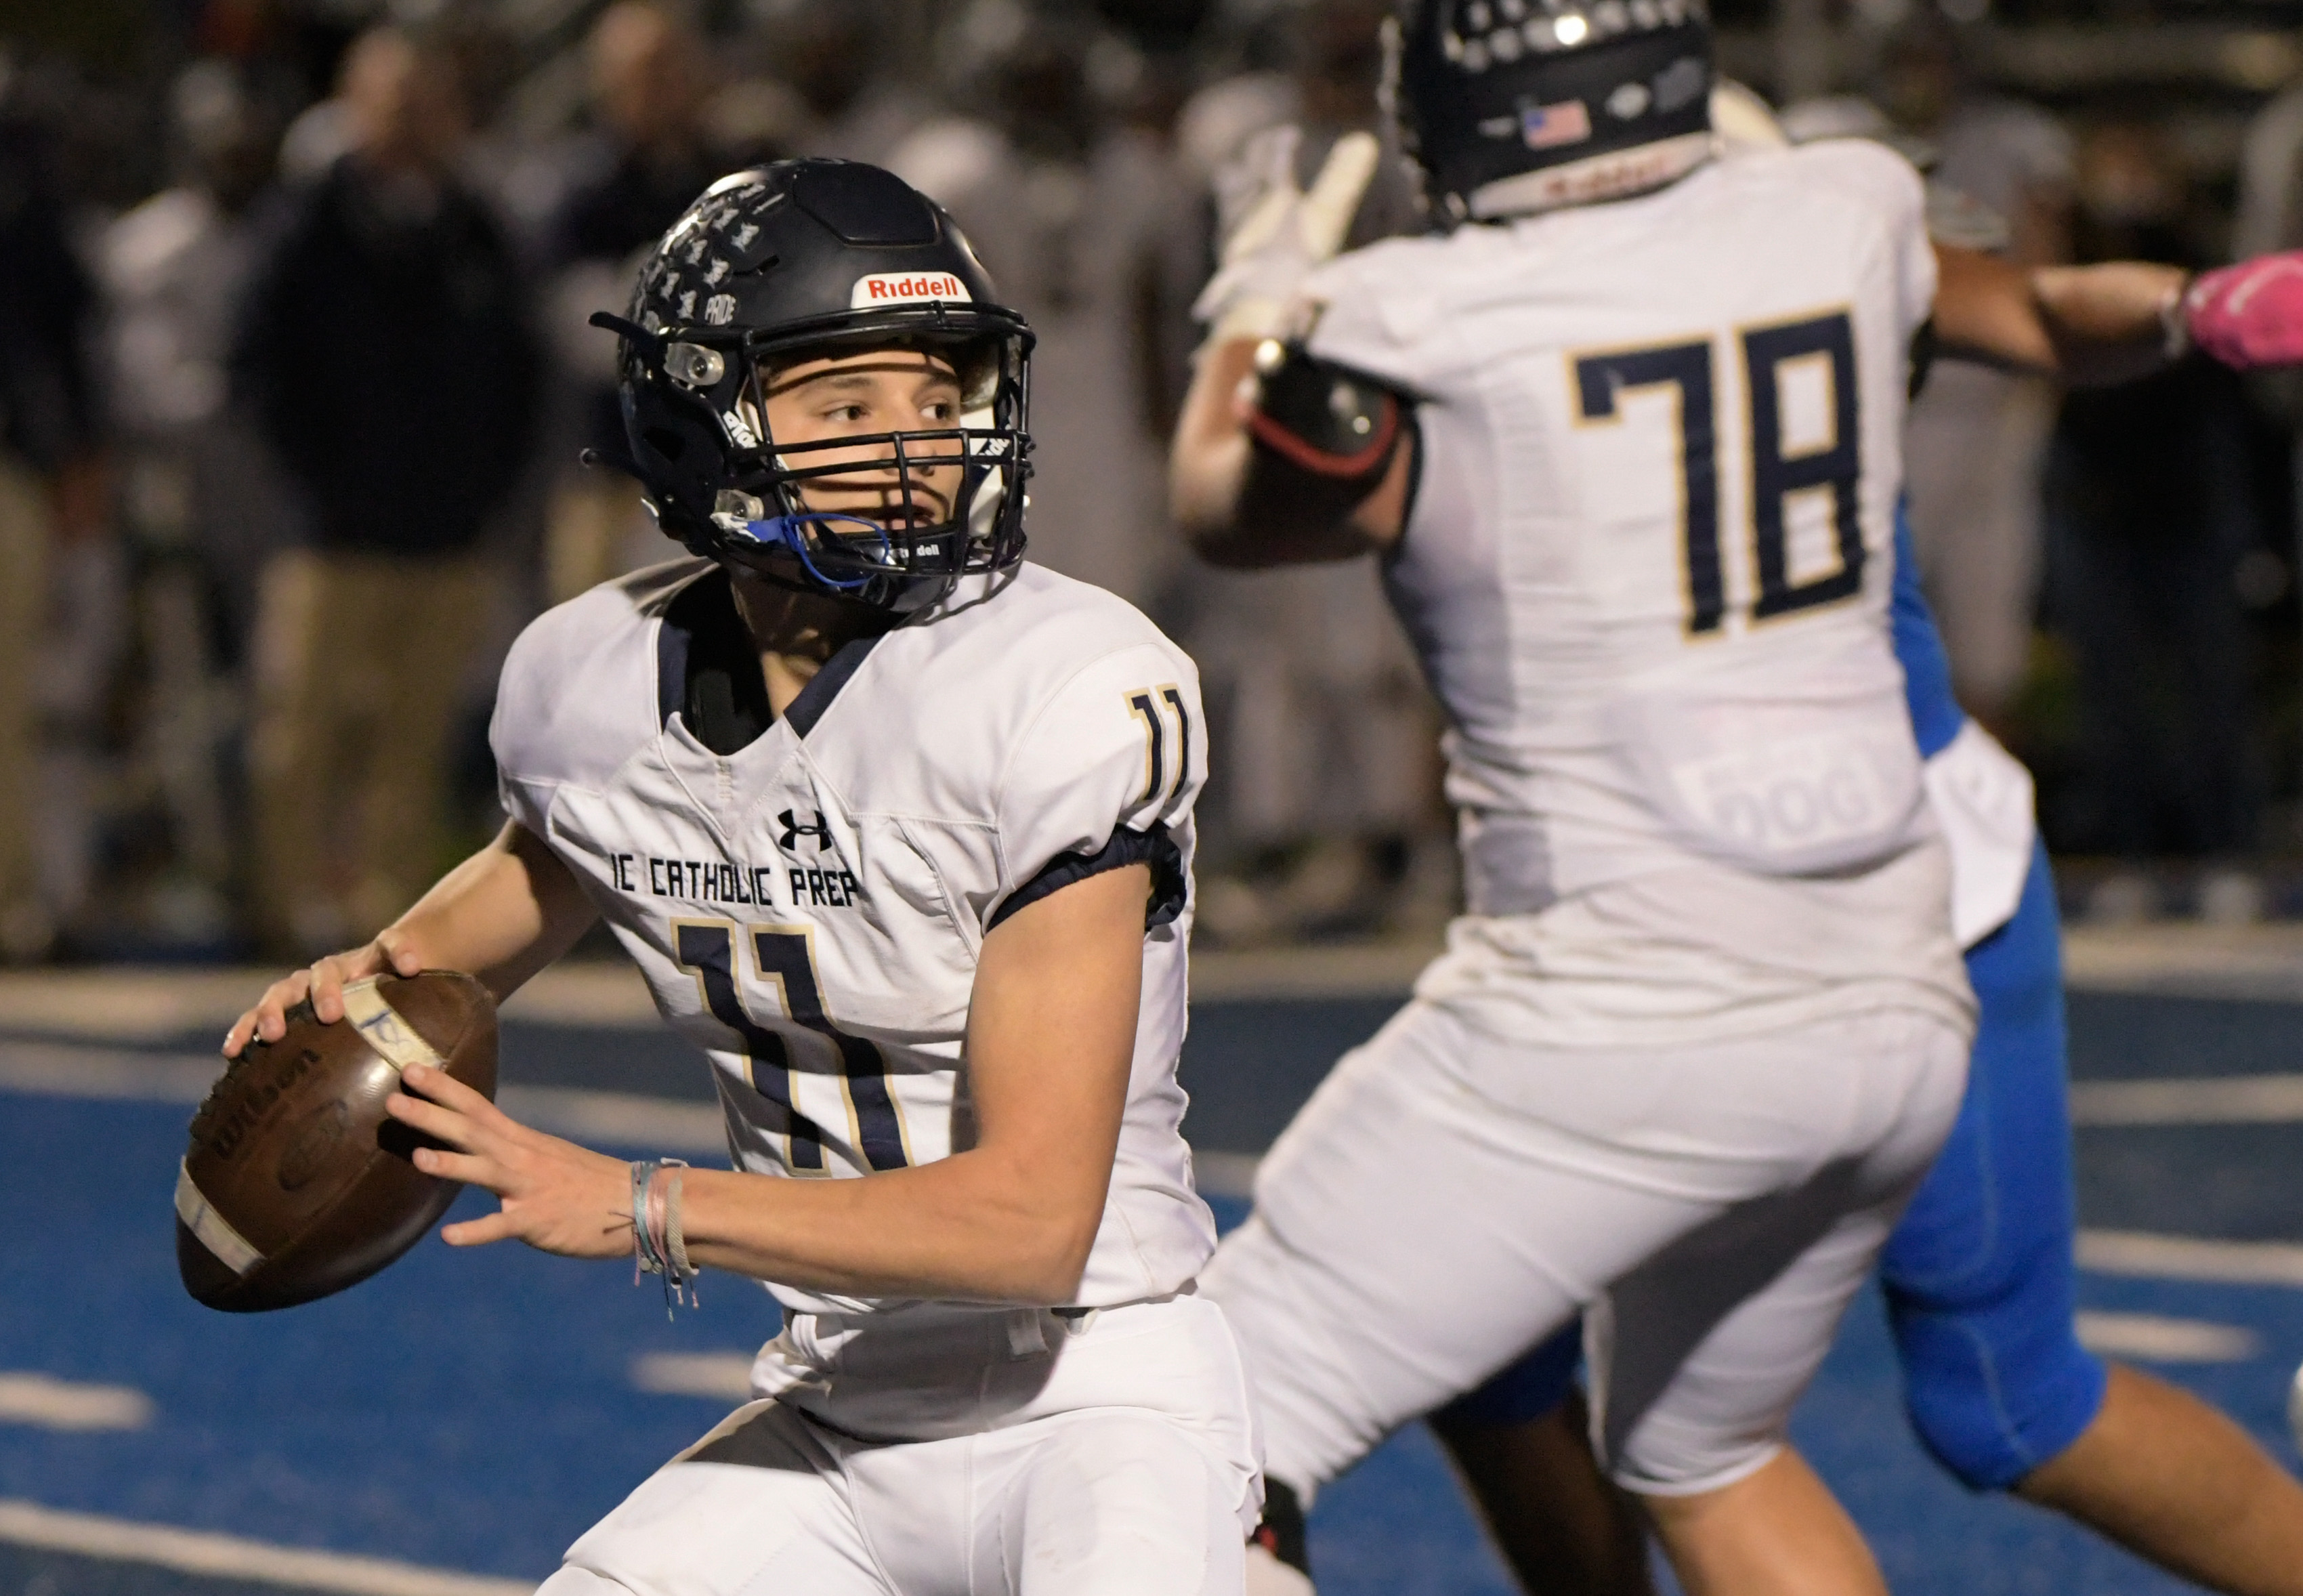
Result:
x=899 y=831
x=1633 y=469
x=1980 y=1275
x=1704 y=1027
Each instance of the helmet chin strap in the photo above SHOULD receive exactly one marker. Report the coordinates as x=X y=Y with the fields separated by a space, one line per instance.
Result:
x=783 y=531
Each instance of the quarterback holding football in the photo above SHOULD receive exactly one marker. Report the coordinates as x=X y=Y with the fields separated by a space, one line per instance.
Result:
x=898 y=828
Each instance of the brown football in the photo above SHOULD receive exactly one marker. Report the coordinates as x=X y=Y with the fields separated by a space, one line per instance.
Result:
x=296 y=1183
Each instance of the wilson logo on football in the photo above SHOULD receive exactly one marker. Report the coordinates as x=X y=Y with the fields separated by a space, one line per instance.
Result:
x=907 y=288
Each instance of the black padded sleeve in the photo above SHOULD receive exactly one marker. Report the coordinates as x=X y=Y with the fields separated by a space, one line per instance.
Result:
x=1154 y=848
x=1336 y=428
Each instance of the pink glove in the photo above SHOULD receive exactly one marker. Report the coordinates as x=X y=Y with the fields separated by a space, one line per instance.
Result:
x=2250 y=313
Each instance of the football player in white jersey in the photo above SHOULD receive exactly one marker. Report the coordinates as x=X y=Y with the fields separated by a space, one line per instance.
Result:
x=899 y=831
x=1627 y=441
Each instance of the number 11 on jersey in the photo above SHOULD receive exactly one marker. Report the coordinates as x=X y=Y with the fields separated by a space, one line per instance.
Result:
x=784 y=955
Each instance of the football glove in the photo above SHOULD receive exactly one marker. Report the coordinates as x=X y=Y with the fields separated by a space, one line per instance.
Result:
x=1284 y=232
x=2246 y=316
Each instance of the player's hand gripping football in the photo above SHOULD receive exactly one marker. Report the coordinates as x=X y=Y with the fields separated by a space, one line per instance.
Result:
x=557 y=1196
x=2249 y=315
x=393 y=953
x=1283 y=231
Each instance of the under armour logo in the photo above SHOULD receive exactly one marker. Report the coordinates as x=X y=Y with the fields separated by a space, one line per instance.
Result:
x=794 y=831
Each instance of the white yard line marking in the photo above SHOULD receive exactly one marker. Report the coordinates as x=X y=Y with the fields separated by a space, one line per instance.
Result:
x=619 y=1118
x=2259 y=962
x=2158 y=1340
x=726 y=1376
x=64 y=1070
x=56 y=1404
x=2208 y=1099
x=2190 y=1258
x=228 y=1556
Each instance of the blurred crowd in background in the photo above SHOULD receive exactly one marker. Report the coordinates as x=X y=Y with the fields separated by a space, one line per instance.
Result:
x=295 y=375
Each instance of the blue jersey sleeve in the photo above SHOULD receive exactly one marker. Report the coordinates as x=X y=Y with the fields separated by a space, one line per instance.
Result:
x=1936 y=715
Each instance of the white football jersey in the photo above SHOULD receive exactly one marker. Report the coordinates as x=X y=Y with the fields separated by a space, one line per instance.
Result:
x=1648 y=568
x=809 y=909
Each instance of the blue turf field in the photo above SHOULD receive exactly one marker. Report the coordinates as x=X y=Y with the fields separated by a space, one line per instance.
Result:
x=475 y=1411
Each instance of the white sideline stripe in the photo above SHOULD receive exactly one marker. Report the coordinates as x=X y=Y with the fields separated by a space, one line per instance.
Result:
x=228 y=1556
x=724 y=1375
x=2261 y=963
x=2158 y=1340
x=2209 y=1100
x=624 y=1118
x=56 y=1404
x=619 y=1118
x=2190 y=1258
x=115 y=1005
x=61 y=1069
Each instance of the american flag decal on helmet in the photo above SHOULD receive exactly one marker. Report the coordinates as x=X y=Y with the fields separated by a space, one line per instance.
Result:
x=1547 y=127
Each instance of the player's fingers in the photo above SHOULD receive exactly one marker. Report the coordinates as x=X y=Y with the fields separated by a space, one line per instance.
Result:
x=328 y=989
x=271 y=1011
x=1270 y=160
x=469 y=1167
x=440 y=1123
x=1334 y=198
x=498 y=1226
x=450 y=1092
x=399 y=954
x=1262 y=220
x=1272 y=156
x=242 y=1031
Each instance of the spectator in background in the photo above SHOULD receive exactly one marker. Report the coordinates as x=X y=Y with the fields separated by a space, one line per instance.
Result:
x=53 y=513
x=1324 y=816
x=652 y=159
x=1975 y=445
x=2271 y=217
x=834 y=53
x=1066 y=209
x=201 y=499
x=385 y=356
x=2152 y=513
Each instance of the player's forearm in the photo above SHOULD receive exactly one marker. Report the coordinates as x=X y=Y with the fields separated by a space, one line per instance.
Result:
x=1207 y=465
x=1213 y=486
x=976 y=1227
x=502 y=914
x=2085 y=324
x=2109 y=322
x=1051 y=1042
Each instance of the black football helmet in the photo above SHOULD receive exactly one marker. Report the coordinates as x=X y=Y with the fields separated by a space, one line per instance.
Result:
x=792 y=261
x=1508 y=106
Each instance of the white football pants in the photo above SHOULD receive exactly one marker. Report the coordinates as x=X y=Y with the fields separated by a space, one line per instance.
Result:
x=1448 y=1200
x=1135 y=1477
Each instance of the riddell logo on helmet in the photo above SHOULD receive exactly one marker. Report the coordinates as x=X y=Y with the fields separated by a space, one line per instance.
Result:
x=905 y=288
